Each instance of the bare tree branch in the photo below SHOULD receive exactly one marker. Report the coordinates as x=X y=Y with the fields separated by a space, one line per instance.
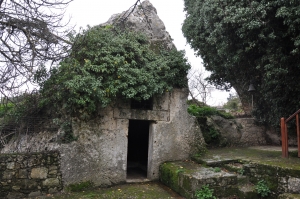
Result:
x=31 y=35
x=199 y=88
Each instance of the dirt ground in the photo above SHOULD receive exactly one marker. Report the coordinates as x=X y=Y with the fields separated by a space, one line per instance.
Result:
x=149 y=190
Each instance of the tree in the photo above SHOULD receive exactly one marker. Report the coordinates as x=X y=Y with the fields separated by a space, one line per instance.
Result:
x=199 y=88
x=31 y=35
x=250 y=40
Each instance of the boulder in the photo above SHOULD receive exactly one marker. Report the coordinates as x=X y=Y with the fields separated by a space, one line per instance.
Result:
x=143 y=18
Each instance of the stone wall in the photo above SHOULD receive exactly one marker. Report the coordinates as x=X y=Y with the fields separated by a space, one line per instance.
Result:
x=29 y=174
x=279 y=179
x=239 y=132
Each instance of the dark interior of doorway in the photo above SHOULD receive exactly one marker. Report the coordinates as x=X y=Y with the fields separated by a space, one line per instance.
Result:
x=137 y=154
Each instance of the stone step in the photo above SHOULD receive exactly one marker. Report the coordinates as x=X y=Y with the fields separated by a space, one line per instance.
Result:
x=214 y=162
x=186 y=178
x=289 y=196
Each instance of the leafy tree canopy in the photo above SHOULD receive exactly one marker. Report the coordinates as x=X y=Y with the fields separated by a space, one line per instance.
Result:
x=243 y=41
x=106 y=64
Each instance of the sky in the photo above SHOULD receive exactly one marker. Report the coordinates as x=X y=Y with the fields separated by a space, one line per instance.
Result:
x=95 y=12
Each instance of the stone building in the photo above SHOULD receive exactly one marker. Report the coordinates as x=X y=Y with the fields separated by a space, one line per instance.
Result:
x=127 y=141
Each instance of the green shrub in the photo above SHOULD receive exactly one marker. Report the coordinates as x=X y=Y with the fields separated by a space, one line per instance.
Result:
x=217 y=169
x=106 y=64
x=262 y=188
x=5 y=108
x=241 y=171
x=207 y=111
x=204 y=111
x=211 y=135
x=205 y=193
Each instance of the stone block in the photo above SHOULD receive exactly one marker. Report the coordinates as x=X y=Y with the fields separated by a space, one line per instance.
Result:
x=7 y=175
x=53 y=190
x=10 y=165
x=39 y=173
x=16 y=188
x=14 y=195
x=35 y=194
x=3 y=158
x=33 y=162
x=53 y=168
x=52 y=172
x=23 y=173
x=51 y=182
x=26 y=184
x=294 y=185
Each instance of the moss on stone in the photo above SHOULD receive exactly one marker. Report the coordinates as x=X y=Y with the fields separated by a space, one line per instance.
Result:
x=81 y=186
x=169 y=175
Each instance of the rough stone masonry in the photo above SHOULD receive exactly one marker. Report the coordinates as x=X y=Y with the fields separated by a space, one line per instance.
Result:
x=29 y=175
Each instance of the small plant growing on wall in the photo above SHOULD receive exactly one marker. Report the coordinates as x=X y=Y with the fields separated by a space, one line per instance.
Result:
x=217 y=169
x=205 y=193
x=262 y=188
x=241 y=171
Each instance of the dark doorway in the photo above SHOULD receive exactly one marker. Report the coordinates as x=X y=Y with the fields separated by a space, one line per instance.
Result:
x=137 y=154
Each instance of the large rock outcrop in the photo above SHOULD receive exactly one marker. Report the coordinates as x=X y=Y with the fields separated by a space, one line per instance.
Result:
x=143 y=18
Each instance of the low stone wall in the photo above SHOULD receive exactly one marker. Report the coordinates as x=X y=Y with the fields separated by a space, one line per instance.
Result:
x=279 y=179
x=29 y=175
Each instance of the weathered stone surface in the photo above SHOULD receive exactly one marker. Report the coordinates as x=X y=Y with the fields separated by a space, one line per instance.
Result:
x=7 y=175
x=23 y=173
x=15 y=195
x=19 y=180
x=53 y=190
x=294 y=185
x=26 y=184
x=53 y=172
x=34 y=194
x=239 y=132
x=51 y=182
x=144 y=19
x=10 y=165
x=16 y=188
x=187 y=177
x=154 y=115
x=39 y=173
x=53 y=168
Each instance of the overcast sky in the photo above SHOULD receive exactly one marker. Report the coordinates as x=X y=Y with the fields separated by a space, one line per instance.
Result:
x=94 y=12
